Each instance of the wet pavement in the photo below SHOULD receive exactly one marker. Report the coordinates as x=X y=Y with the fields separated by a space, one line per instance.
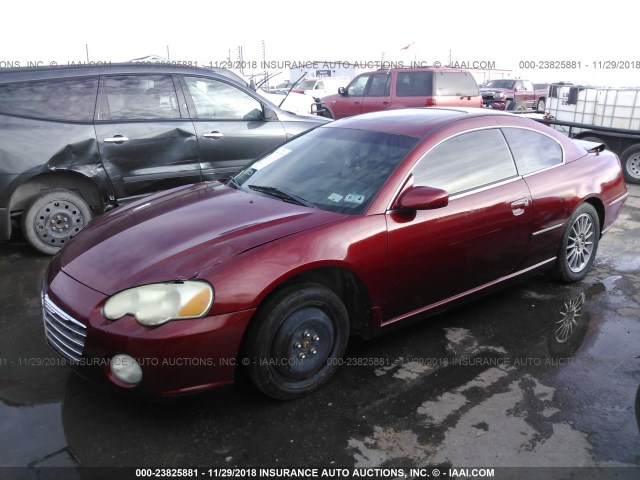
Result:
x=540 y=375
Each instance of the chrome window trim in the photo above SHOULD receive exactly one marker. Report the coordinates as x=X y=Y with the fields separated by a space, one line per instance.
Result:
x=404 y=181
x=564 y=156
x=410 y=173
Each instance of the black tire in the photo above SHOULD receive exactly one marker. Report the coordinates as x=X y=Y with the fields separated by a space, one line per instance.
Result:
x=326 y=113
x=630 y=159
x=296 y=341
x=579 y=245
x=53 y=218
x=540 y=106
x=509 y=105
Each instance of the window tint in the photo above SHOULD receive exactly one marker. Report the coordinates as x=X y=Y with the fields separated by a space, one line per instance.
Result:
x=138 y=97
x=414 y=84
x=465 y=162
x=217 y=100
x=71 y=99
x=380 y=85
x=456 y=84
x=532 y=151
x=356 y=88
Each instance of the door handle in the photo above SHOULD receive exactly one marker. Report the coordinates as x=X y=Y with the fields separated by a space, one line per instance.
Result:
x=213 y=135
x=385 y=103
x=519 y=206
x=116 y=139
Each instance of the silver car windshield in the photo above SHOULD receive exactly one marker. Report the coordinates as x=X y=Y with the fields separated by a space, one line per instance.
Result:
x=335 y=169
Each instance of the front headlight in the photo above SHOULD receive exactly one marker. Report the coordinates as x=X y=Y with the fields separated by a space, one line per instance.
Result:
x=158 y=303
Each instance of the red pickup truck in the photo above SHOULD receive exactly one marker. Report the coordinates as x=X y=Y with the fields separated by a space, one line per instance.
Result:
x=509 y=94
x=390 y=89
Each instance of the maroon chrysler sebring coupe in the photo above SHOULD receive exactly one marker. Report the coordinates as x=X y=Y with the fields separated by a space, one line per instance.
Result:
x=347 y=229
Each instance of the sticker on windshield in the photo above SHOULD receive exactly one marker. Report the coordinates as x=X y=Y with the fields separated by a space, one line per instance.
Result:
x=269 y=159
x=354 y=198
x=334 y=197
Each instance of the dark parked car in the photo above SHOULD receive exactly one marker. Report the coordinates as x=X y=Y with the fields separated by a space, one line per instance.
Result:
x=348 y=229
x=390 y=89
x=75 y=140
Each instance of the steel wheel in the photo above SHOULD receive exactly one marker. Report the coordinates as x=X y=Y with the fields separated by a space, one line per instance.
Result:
x=541 y=105
x=631 y=164
x=53 y=219
x=581 y=243
x=296 y=340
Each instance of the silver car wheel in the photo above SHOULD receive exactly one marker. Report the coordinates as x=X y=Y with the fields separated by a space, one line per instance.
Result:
x=580 y=243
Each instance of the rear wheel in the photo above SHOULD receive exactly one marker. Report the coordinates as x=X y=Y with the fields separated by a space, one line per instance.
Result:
x=579 y=245
x=630 y=159
x=541 y=105
x=53 y=218
x=295 y=342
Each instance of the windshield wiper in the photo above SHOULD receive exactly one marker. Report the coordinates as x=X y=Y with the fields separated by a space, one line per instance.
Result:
x=281 y=194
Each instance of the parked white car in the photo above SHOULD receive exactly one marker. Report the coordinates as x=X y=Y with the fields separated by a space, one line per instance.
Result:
x=294 y=102
x=321 y=87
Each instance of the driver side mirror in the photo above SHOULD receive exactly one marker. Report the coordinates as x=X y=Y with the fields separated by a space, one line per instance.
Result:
x=423 y=198
x=343 y=91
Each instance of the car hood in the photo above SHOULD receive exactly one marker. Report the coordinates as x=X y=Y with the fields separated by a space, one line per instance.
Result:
x=492 y=90
x=179 y=235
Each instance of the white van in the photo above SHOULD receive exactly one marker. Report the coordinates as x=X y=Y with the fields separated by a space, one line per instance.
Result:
x=321 y=87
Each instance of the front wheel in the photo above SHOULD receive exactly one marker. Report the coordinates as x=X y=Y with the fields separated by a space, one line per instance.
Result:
x=296 y=341
x=53 y=218
x=630 y=159
x=579 y=245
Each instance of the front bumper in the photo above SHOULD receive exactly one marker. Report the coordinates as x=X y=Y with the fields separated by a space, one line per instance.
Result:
x=494 y=104
x=178 y=357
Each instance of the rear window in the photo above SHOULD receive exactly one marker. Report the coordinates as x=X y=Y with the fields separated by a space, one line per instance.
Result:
x=532 y=151
x=459 y=84
x=70 y=99
x=414 y=84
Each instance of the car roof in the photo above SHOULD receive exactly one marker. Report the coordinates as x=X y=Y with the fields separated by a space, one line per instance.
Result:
x=99 y=68
x=414 y=122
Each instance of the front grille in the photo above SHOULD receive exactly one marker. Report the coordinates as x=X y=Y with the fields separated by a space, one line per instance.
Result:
x=65 y=334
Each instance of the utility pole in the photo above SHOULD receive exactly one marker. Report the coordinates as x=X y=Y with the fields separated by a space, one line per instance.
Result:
x=86 y=47
x=264 y=62
x=240 y=60
x=168 y=56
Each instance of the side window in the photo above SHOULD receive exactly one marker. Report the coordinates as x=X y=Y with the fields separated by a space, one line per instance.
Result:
x=527 y=85
x=380 y=85
x=414 y=84
x=356 y=88
x=459 y=84
x=532 y=151
x=71 y=99
x=138 y=97
x=217 y=100
x=465 y=162
x=319 y=86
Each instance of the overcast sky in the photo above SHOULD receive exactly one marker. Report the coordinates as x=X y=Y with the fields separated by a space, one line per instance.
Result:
x=505 y=32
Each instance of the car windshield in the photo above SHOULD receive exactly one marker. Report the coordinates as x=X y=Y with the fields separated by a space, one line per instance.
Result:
x=307 y=85
x=499 y=84
x=335 y=169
